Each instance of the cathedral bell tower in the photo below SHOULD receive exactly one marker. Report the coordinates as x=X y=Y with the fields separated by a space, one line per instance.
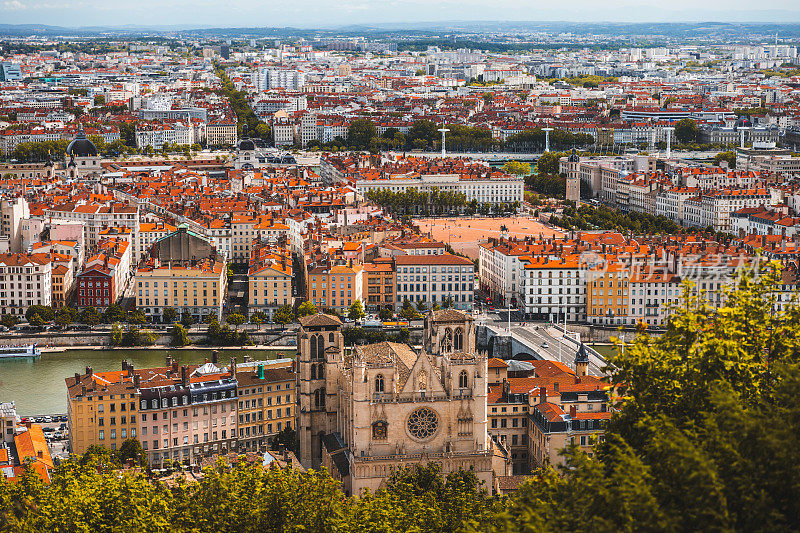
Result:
x=320 y=345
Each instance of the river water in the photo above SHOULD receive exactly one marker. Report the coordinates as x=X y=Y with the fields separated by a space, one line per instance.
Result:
x=38 y=386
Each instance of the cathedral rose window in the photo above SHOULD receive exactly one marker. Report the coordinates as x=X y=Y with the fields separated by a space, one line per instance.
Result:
x=423 y=423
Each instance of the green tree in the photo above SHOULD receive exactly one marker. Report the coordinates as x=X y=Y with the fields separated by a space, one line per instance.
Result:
x=361 y=132
x=356 y=311
x=258 y=318
x=306 y=309
x=518 y=168
x=236 y=320
x=686 y=130
x=408 y=311
x=179 y=336
x=169 y=315
x=548 y=163
x=386 y=314
x=283 y=315
x=9 y=320
x=137 y=317
x=44 y=312
x=132 y=449
x=99 y=100
x=36 y=320
x=90 y=315
x=115 y=337
x=285 y=438
x=730 y=157
x=114 y=313
x=66 y=316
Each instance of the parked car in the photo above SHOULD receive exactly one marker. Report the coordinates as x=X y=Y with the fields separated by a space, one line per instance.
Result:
x=47 y=430
x=48 y=419
x=63 y=426
x=545 y=345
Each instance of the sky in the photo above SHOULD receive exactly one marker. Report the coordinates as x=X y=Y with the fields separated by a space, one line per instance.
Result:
x=327 y=13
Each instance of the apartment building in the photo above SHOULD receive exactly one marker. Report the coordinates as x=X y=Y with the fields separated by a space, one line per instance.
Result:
x=195 y=288
x=269 y=280
x=25 y=280
x=507 y=408
x=178 y=413
x=651 y=293
x=553 y=289
x=221 y=132
x=335 y=286
x=149 y=232
x=105 y=275
x=266 y=404
x=62 y=284
x=95 y=218
x=607 y=294
x=12 y=212
x=713 y=209
x=379 y=284
x=102 y=409
x=435 y=279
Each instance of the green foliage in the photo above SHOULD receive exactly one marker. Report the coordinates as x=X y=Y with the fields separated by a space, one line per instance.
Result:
x=587 y=217
x=547 y=184
x=518 y=168
x=169 y=315
x=235 y=319
x=114 y=313
x=306 y=309
x=361 y=132
x=283 y=315
x=285 y=438
x=414 y=201
x=137 y=317
x=66 y=315
x=134 y=336
x=179 y=336
x=409 y=312
x=9 y=320
x=44 y=312
x=31 y=152
x=356 y=311
x=729 y=156
x=115 y=337
x=249 y=125
x=217 y=335
x=686 y=130
x=386 y=314
x=90 y=315
x=548 y=163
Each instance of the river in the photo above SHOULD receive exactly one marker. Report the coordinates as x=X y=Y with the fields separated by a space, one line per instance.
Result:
x=38 y=387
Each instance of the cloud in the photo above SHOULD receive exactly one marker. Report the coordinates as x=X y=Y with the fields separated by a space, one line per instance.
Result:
x=14 y=5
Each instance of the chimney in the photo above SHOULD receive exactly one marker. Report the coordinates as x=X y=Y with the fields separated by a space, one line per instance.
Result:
x=573 y=411
x=215 y=356
x=136 y=380
x=169 y=360
x=124 y=365
x=175 y=367
x=543 y=395
x=184 y=376
x=89 y=371
x=77 y=378
x=233 y=367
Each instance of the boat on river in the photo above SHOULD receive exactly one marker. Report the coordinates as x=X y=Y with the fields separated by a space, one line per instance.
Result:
x=12 y=352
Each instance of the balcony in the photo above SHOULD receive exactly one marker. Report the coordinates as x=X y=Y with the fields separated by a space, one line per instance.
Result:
x=389 y=397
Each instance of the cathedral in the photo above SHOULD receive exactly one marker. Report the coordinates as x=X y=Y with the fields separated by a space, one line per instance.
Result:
x=367 y=410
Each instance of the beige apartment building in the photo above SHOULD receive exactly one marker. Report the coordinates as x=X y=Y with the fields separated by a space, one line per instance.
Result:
x=190 y=288
x=266 y=405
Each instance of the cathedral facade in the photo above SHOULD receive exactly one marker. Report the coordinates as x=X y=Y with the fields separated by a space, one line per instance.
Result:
x=367 y=410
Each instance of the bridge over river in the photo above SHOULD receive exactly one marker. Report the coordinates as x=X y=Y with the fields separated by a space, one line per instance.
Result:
x=537 y=341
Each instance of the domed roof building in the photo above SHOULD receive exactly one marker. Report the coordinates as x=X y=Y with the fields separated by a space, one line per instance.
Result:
x=81 y=146
x=82 y=157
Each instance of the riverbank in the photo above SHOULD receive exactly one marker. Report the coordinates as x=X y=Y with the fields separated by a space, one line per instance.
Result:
x=190 y=347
